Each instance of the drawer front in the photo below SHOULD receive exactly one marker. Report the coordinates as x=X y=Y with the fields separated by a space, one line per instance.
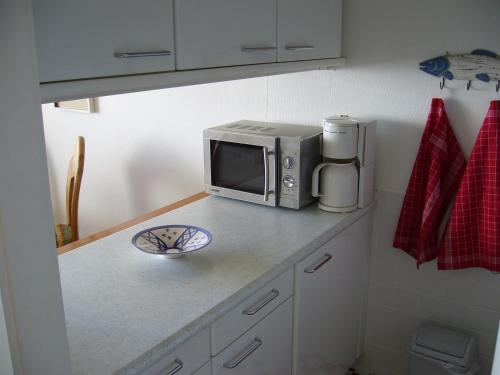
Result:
x=237 y=321
x=185 y=359
x=265 y=349
x=205 y=370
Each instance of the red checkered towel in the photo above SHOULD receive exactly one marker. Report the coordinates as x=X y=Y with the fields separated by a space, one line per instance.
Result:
x=433 y=183
x=472 y=238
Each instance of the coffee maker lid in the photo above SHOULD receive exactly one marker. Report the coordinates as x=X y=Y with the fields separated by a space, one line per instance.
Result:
x=343 y=120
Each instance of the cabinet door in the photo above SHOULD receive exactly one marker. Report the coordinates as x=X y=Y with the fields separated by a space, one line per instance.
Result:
x=265 y=349
x=309 y=29
x=329 y=302
x=205 y=370
x=184 y=359
x=224 y=32
x=86 y=39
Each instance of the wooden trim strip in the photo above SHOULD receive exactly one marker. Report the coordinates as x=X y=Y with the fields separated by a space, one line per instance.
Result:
x=107 y=232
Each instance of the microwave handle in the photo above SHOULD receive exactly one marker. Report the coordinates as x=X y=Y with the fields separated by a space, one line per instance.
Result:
x=266 y=173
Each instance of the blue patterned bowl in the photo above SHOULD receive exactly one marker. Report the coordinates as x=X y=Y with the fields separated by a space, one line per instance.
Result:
x=172 y=240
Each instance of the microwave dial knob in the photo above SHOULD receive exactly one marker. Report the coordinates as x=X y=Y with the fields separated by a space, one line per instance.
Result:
x=288 y=162
x=288 y=181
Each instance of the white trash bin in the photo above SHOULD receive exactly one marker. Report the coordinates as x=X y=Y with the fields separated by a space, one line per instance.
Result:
x=437 y=350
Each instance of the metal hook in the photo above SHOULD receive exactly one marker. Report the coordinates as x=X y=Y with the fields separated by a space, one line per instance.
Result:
x=468 y=85
x=441 y=85
x=498 y=85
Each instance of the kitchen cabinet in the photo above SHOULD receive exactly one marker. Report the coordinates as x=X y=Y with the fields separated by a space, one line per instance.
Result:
x=266 y=349
x=186 y=359
x=89 y=39
x=205 y=370
x=224 y=33
x=330 y=297
x=92 y=48
x=309 y=29
x=238 y=320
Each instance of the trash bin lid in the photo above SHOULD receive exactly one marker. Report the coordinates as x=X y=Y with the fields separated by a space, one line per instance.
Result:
x=443 y=344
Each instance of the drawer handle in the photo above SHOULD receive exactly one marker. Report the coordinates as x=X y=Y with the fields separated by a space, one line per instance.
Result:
x=299 y=48
x=256 y=307
x=178 y=366
x=311 y=269
x=257 y=49
x=244 y=354
x=126 y=55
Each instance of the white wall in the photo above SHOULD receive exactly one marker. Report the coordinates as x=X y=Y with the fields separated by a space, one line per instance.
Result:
x=144 y=150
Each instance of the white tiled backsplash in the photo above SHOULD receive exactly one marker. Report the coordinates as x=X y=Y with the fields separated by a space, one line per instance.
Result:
x=401 y=297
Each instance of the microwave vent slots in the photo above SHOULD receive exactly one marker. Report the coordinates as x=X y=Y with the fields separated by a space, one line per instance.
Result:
x=250 y=127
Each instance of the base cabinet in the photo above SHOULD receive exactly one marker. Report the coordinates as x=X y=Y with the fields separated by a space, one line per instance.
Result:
x=309 y=320
x=331 y=286
x=266 y=349
x=184 y=359
x=205 y=370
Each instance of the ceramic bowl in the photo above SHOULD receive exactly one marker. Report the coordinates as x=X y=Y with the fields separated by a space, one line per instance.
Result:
x=172 y=240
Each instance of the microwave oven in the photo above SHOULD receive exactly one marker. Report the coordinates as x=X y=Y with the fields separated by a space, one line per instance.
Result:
x=261 y=162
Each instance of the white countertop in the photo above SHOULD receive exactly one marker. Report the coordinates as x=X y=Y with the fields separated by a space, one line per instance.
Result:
x=125 y=308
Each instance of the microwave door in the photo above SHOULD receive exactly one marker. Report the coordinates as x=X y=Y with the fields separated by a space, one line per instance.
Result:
x=242 y=171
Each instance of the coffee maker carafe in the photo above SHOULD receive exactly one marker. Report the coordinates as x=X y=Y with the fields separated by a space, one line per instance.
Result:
x=344 y=181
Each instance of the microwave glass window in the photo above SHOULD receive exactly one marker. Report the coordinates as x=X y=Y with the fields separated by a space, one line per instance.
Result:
x=237 y=166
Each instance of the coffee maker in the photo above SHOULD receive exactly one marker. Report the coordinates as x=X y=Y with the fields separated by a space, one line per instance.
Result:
x=344 y=181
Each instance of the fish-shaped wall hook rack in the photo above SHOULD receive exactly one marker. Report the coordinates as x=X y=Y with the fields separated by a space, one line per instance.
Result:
x=480 y=64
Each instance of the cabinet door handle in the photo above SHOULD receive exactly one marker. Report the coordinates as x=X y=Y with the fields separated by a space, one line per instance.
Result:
x=257 y=49
x=325 y=259
x=299 y=48
x=126 y=55
x=178 y=366
x=256 y=307
x=244 y=354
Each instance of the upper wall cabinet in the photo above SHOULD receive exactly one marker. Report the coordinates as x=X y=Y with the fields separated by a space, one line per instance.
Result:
x=94 y=48
x=224 y=32
x=309 y=29
x=87 y=39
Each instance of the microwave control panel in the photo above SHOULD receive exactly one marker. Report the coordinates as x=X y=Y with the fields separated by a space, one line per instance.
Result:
x=288 y=162
x=290 y=167
x=297 y=161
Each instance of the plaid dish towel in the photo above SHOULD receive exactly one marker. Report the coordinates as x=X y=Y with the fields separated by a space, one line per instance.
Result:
x=434 y=180
x=472 y=238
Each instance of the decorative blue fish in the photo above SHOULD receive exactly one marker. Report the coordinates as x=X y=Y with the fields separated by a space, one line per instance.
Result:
x=480 y=64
